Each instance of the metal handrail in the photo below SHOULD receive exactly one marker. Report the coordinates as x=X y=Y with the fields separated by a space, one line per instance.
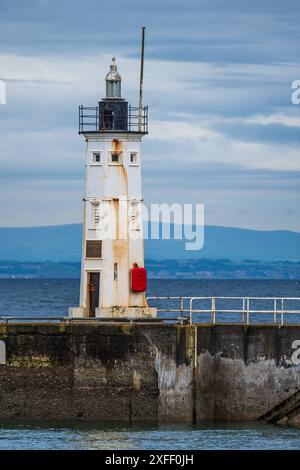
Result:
x=6 y=319
x=187 y=311
x=181 y=310
x=277 y=307
x=89 y=120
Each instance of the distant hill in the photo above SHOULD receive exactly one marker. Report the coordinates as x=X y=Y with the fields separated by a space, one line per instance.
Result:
x=63 y=243
x=164 y=269
x=53 y=243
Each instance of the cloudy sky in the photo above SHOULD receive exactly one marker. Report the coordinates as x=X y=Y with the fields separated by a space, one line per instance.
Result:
x=218 y=75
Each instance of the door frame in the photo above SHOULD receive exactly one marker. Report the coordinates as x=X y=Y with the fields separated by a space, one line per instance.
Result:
x=89 y=272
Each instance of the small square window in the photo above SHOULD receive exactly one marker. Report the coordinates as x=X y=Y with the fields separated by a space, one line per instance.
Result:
x=96 y=158
x=134 y=158
x=115 y=158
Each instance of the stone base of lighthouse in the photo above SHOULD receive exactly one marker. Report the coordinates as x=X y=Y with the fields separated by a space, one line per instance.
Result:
x=131 y=313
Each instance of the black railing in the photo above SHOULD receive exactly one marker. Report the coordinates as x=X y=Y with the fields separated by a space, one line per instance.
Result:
x=90 y=120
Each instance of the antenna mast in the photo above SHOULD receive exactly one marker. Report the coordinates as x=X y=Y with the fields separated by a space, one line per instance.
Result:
x=141 y=80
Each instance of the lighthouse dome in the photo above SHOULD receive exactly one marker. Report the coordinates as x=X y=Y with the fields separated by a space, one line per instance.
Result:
x=113 y=81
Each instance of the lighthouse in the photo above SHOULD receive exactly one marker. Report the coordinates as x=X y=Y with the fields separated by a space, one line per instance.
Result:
x=113 y=276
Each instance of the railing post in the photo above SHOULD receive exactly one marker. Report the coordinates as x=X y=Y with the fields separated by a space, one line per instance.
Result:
x=275 y=311
x=191 y=311
x=282 y=311
x=248 y=311
x=213 y=310
x=243 y=312
x=181 y=310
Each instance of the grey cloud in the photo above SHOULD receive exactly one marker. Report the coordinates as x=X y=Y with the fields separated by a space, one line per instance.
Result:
x=38 y=126
x=272 y=133
x=201 y=30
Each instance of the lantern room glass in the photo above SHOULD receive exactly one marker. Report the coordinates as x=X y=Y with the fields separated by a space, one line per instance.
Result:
x=113 y=89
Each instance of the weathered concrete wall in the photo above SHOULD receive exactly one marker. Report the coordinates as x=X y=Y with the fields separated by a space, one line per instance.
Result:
x=157 y=372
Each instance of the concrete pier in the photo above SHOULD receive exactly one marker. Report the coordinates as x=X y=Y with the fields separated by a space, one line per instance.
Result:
x=150 y=372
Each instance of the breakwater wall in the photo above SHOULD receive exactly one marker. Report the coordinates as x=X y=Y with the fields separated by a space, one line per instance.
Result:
x=150 y=371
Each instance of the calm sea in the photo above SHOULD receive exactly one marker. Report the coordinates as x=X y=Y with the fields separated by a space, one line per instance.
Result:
x=53 y=297
x=208 y=436
x=35 y=297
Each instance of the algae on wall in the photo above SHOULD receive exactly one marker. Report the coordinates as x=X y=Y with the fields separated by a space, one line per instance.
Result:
x=146 y=371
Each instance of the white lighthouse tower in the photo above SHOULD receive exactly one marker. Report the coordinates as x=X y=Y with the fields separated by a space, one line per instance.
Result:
x=113 y=278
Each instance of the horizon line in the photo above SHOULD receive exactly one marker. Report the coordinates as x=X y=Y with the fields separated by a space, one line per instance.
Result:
x=11 y=227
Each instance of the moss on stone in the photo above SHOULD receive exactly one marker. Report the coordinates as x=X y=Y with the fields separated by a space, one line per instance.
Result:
x=126 y=329
x=30 y=361
x=3 y=331
x=62 y=327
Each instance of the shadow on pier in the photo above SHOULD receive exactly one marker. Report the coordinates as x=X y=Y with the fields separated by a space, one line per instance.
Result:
x=286 y=411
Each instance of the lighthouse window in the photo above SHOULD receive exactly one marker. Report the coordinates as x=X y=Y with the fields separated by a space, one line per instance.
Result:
x=96 y=158
x=115 y=158
x=110 y=89
x=107 y=119
x=134 y=158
